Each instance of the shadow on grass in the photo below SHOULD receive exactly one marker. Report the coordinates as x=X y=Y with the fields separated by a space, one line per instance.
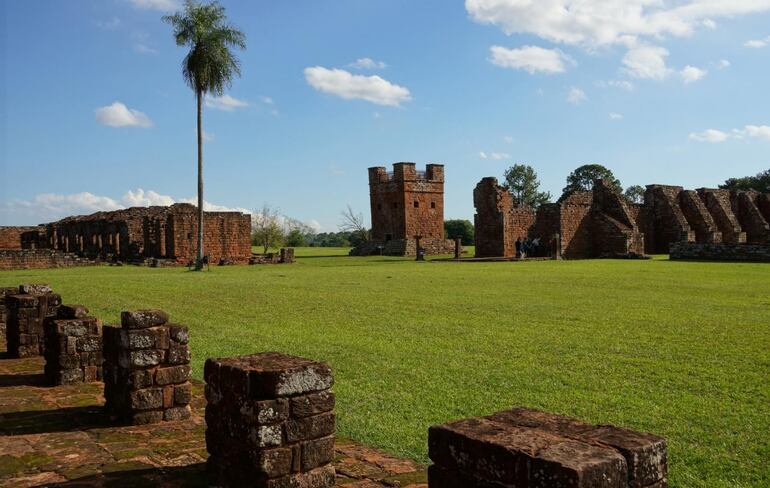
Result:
x=23 y=379
x=59 y=420
x=133 y=476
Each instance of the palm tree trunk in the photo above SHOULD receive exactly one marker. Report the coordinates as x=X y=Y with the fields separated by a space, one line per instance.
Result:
x=199 y=257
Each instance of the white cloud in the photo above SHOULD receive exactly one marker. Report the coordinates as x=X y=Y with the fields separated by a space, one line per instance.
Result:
x=758 y=43
x=49 y=207
x=267 y=100
x=576 y=96
x=758 y=131
x=496 y=156
x=622 y=84
x=349 y=86
x=508 y=139
x=616 y=116
x=532 y=59
x=141 y=43
x=162 y=5
x=710 y=135
x=646 y=62
x=118 y=115
x=748 y=131
x=225 y=103
x=593 y=24
x=367 y=63
x=723 y=64
x=690 y=74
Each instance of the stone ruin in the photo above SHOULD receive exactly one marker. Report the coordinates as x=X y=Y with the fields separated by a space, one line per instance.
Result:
x=73 y=347
x=599 y=223
x=136 y=234
x=406 y=205
x=146 y=368
x=530 y=448
x=269 y=421
x=27 y=310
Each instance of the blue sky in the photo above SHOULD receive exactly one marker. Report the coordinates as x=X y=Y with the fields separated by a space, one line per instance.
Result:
x=659 y=91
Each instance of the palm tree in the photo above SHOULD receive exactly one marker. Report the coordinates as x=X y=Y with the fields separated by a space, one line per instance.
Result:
x=209 y=67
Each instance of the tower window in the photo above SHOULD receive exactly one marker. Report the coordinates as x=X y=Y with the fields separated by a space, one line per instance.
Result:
x=395 y=204
x=416 y=204
x=379 y=206
x=432 y=204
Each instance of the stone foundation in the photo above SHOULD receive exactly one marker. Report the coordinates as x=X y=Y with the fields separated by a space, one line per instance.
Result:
x=27 y=310
x=720 y=252
x=404 y=247
x=529 y=448
x=73 y=347
x=146 y=369
x=269 y=422
x=285 y=256
x=40 y=259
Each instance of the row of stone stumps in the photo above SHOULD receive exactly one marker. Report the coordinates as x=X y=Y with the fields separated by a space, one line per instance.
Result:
x=270 y=418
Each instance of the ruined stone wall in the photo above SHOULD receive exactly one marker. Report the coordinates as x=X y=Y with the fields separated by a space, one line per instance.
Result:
x=698 y=216
x=575 y=225
x=745 y=206
x=668 y=223
x=138 y=233
x=11 y=237
x=720 y=251
x=40 y=259
x=718 y=204
x=615 y=229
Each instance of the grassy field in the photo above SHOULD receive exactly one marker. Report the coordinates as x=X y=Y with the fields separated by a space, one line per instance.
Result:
x=675 y=348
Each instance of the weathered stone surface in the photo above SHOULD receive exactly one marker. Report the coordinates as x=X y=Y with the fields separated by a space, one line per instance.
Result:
x=179 y=334
x=144 y=381
x=142 y=319
x=311 y=404
x=73 y=347
x=35 y=289
x=248 y=411
x=525 y=447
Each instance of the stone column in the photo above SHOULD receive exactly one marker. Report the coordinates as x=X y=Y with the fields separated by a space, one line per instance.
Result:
x=147 y=369
x=27 y=312
x=269 y=421
x=73 y=347
x=4 y=311
x=458 y=247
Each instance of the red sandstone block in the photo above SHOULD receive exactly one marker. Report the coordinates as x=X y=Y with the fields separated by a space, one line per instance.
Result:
x=317 y=453
x=178 y=354
x=273 y=462
x=73 y=311
x=318 y=478
x=645 y=454
x=35 y=289
x=308 y=428
x=268 y=375
x=89 y=344
x=173 y=374
x=140 y=359
x=440 y=477
x=168 y=396
x=142 y=319
x=182 y=394
x=311 y=404
x=179 y=334
x=511 y=454
x=147 y=399
x=148 y=417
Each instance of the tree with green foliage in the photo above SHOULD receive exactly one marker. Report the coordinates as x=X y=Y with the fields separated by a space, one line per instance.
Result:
x=267 y=228
x=460 y=228
x=353 y=223
x=521 y=180
x=634 y=194
x=582 y=179
x=209 y=67
x=296 y=238
x=760 y=183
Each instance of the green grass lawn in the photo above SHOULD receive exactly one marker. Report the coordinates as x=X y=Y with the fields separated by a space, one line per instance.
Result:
x=681 y=349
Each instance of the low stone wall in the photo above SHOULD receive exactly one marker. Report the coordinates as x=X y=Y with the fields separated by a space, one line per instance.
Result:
x=27 y=312
x=285 y=256
x=40 y=259
x=269 y=421
x=720 y=252
x=404 y=247
x=4 y=311
x=147 y=369
x=73 y=347
x=523 y=447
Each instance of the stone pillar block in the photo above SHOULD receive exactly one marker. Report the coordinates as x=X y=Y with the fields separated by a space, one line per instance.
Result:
x=27 y=311
x=73 y=347
x=4 y=310
x=523 y=447
x=147 y=369
x=269 y=421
